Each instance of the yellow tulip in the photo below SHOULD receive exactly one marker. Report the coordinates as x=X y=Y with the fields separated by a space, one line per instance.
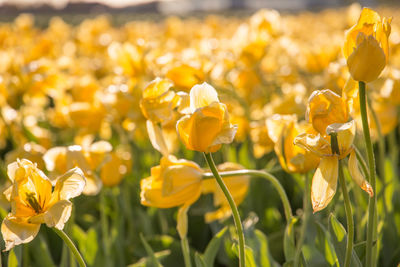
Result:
x=116 y=167
x=238 y=187
x=366 y=47
x=185 y=76
x=262 y=143
x=158 y=101
x=88 y=158
x=173 y=183
x=324 y=108
x=324 y=182
x=208 y=126
x=33 y=201
x=283 y=129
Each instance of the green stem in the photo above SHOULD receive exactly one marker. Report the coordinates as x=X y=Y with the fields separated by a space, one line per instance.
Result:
x=349 y=217
x=371 y=165
x=186 y=252
x=306 y=213
x=275 y=182
x=71 y=246
x=104 y=225
x=235 y=212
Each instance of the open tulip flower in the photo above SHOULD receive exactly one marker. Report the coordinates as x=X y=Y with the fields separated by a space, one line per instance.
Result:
x=33 y=201
x=366 y=47
x=173 y=183
x=324 y=182
x=207 y=126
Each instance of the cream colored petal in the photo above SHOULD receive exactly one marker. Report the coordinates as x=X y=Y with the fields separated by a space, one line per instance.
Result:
x=51 y=155
x=345 y=134
x=11 y=169
x=226 y=136
x=202 y=95
x=15 y=233
x=182 y=221
x=58 y=214
x=101 y=147
x=156 y=137
x=313 y=143
x=7 y=193
x=70 y=185
x=184 y=105
x=93 y=185
x=357 y=176
x=324 y=183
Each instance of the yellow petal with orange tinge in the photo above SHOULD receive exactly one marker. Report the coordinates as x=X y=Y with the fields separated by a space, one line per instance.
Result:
x=324 y=183
x=367 y=61
x=357 y=176
x=16 y=233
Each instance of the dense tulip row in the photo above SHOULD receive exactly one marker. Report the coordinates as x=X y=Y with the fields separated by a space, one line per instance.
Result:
x=122 y=115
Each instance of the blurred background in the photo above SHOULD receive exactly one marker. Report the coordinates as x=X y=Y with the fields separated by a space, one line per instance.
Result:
x=10 y=8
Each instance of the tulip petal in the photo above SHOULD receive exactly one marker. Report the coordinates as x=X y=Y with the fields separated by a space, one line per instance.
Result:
x=324 y=183
x=16 y=233
x=58 y=214
x=156 y=137
x=51 y=156
x=357 y=176
x=70 y=185
x=202 y=95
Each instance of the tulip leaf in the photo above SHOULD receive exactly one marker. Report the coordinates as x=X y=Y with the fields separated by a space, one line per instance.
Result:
x=14 y=257
x=339 y=240
x=153 y=261
x=213 y=247
x=87 y=243
x=40 y=252
x=198 y=260
x=324 y=244
x=249 y=255
x=289 y=246
x=143 y=262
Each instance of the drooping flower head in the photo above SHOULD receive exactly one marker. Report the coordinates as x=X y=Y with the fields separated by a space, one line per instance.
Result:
x=174 y=183
x=33 y=201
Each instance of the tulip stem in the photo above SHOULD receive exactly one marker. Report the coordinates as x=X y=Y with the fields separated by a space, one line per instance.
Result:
x=349 y=217
x=275 y=182
x=235 y=212
x=186 y=252
x=71 y=246
x=371 y=165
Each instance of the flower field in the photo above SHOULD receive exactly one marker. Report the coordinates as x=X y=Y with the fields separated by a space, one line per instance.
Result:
x=256 y=140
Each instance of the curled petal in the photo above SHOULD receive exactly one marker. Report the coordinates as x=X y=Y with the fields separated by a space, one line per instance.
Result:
x=357 y=176
x=202 y=95
x=324 y=183
x=56 y=216
x=182 y=221
x=70 y=185
x=16 y=233
x=156 y=137
x=345 y=135
x=313 y=143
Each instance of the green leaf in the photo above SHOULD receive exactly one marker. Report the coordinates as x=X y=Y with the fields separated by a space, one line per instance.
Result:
x=249 y=255
x=40 y=252
x=339 y=240
x=153 y=261
x=324 y=244
x=13 y=256
x=143 y=262
x=289 y=246
x=87 y=243
x=213 y=247
x=198 y=260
